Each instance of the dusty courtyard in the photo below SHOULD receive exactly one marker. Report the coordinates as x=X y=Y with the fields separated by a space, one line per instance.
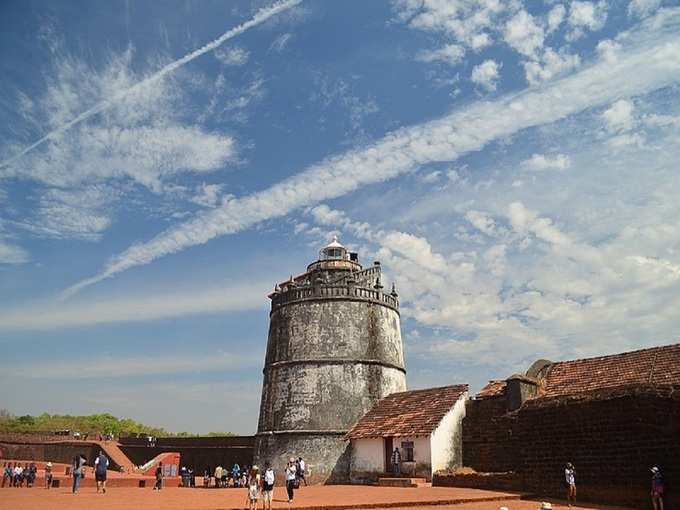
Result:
x=313 y=497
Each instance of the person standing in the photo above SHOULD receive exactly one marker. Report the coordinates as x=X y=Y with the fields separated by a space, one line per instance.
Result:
x=101 y=464
x=300 y=466
x=291 y=473
x=7 y=473
x=32 y=474
x=48 y=475
x=159 y=477
x=267 y=487
x=236 y=474
x=18 y=474
x=253 y=488
x=78 y=471
x=570 y=480
x=657 y=488
x=396 y=462
x=218 y=476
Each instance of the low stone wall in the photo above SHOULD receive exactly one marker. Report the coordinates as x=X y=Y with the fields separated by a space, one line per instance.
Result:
x=62 y=452
x=612 y=437
x=198 y=458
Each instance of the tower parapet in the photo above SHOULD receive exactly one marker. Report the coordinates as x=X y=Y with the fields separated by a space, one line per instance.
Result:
x=334 y=350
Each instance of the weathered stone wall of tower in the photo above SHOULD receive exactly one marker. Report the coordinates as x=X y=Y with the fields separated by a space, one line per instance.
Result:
x=333 y=352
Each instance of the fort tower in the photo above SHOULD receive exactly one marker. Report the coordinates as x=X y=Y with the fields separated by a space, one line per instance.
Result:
x=334 y=350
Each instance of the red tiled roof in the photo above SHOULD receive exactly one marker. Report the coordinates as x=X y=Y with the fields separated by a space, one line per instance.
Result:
x=493 y=389
x=409 y=413
x=658 y=365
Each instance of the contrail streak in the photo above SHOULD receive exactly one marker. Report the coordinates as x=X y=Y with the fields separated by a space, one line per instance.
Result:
x=261 y=16
x=650 y=60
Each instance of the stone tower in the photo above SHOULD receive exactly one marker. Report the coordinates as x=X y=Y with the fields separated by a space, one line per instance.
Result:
x=334 y=350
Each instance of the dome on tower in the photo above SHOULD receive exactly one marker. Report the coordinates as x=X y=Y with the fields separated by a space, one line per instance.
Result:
x=333 y=251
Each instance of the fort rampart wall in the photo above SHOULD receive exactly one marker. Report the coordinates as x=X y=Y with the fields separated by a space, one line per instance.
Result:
x=612 y=437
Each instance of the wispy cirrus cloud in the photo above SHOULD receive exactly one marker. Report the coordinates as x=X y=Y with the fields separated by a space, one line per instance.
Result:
x=138 y=307
x=111 y=99
x=649 y=61
x=107 y=367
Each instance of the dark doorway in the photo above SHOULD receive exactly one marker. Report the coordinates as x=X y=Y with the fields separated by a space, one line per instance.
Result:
x=388 y=454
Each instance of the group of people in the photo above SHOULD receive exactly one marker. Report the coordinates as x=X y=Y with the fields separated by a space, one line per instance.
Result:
x=260 y=486
x=263 y=486
x=656 y=493
x=16 y=475
x=101 y=465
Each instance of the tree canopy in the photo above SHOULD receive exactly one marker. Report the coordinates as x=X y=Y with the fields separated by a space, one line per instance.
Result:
x=91 y=424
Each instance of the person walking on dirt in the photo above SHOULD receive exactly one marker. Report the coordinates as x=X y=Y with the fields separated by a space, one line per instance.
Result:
x=48 y=475
x=101 y=464
x=657 y=489
x=300 y=466
x=570 y=481
x=7 y=473
x=290 y=478
x=78 y=471
x=253 y=488
x=267 y=487
x=159 y=477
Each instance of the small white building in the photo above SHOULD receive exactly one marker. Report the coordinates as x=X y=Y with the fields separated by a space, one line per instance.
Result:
x=424 y=424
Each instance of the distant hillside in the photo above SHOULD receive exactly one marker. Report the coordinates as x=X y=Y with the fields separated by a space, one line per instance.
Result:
x=92 y=424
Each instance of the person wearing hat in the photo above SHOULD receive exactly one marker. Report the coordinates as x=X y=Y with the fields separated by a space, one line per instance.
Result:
x=48 y=475
x=657 y=489
x=570 y=480
x=291 y=473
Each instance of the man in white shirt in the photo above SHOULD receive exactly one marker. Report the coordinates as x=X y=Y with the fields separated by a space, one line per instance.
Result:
x=291 y=473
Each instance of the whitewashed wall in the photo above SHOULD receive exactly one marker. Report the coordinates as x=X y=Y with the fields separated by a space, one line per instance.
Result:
x=368 y=455
x=446 y=439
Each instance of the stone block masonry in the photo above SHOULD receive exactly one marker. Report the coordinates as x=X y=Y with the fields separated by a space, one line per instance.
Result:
x=334 y=350
x=612 y=437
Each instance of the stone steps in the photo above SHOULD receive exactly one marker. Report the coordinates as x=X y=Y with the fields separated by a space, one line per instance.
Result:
x=402 y=482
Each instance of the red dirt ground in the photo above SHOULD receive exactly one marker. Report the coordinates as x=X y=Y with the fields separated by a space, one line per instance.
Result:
x=308 y=498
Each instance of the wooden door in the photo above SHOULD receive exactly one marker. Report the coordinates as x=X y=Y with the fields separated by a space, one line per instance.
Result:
x=389 y=447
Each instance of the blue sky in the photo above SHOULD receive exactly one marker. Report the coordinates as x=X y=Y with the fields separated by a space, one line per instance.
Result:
x=514 y=165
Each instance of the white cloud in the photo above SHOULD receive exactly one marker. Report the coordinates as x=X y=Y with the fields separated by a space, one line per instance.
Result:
x=486 y=74
x=116 y=366
x=172 y=303
x=541 y=162
x=254 y=92
x=114 y=95
x=586 y=16
x=619 y=116
x=608 y=50
x=466 y=21
x=643 y=8
x=208 y=195
x=432 y=177
x=451 y=54
x=12 y=254
x=556 y=17
x=523 y=34
x=280 y=43
x=550 y=65
x=82 y=214
x=649 y=62
x=141 y=136
x=232 y=56
x=482 y=222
